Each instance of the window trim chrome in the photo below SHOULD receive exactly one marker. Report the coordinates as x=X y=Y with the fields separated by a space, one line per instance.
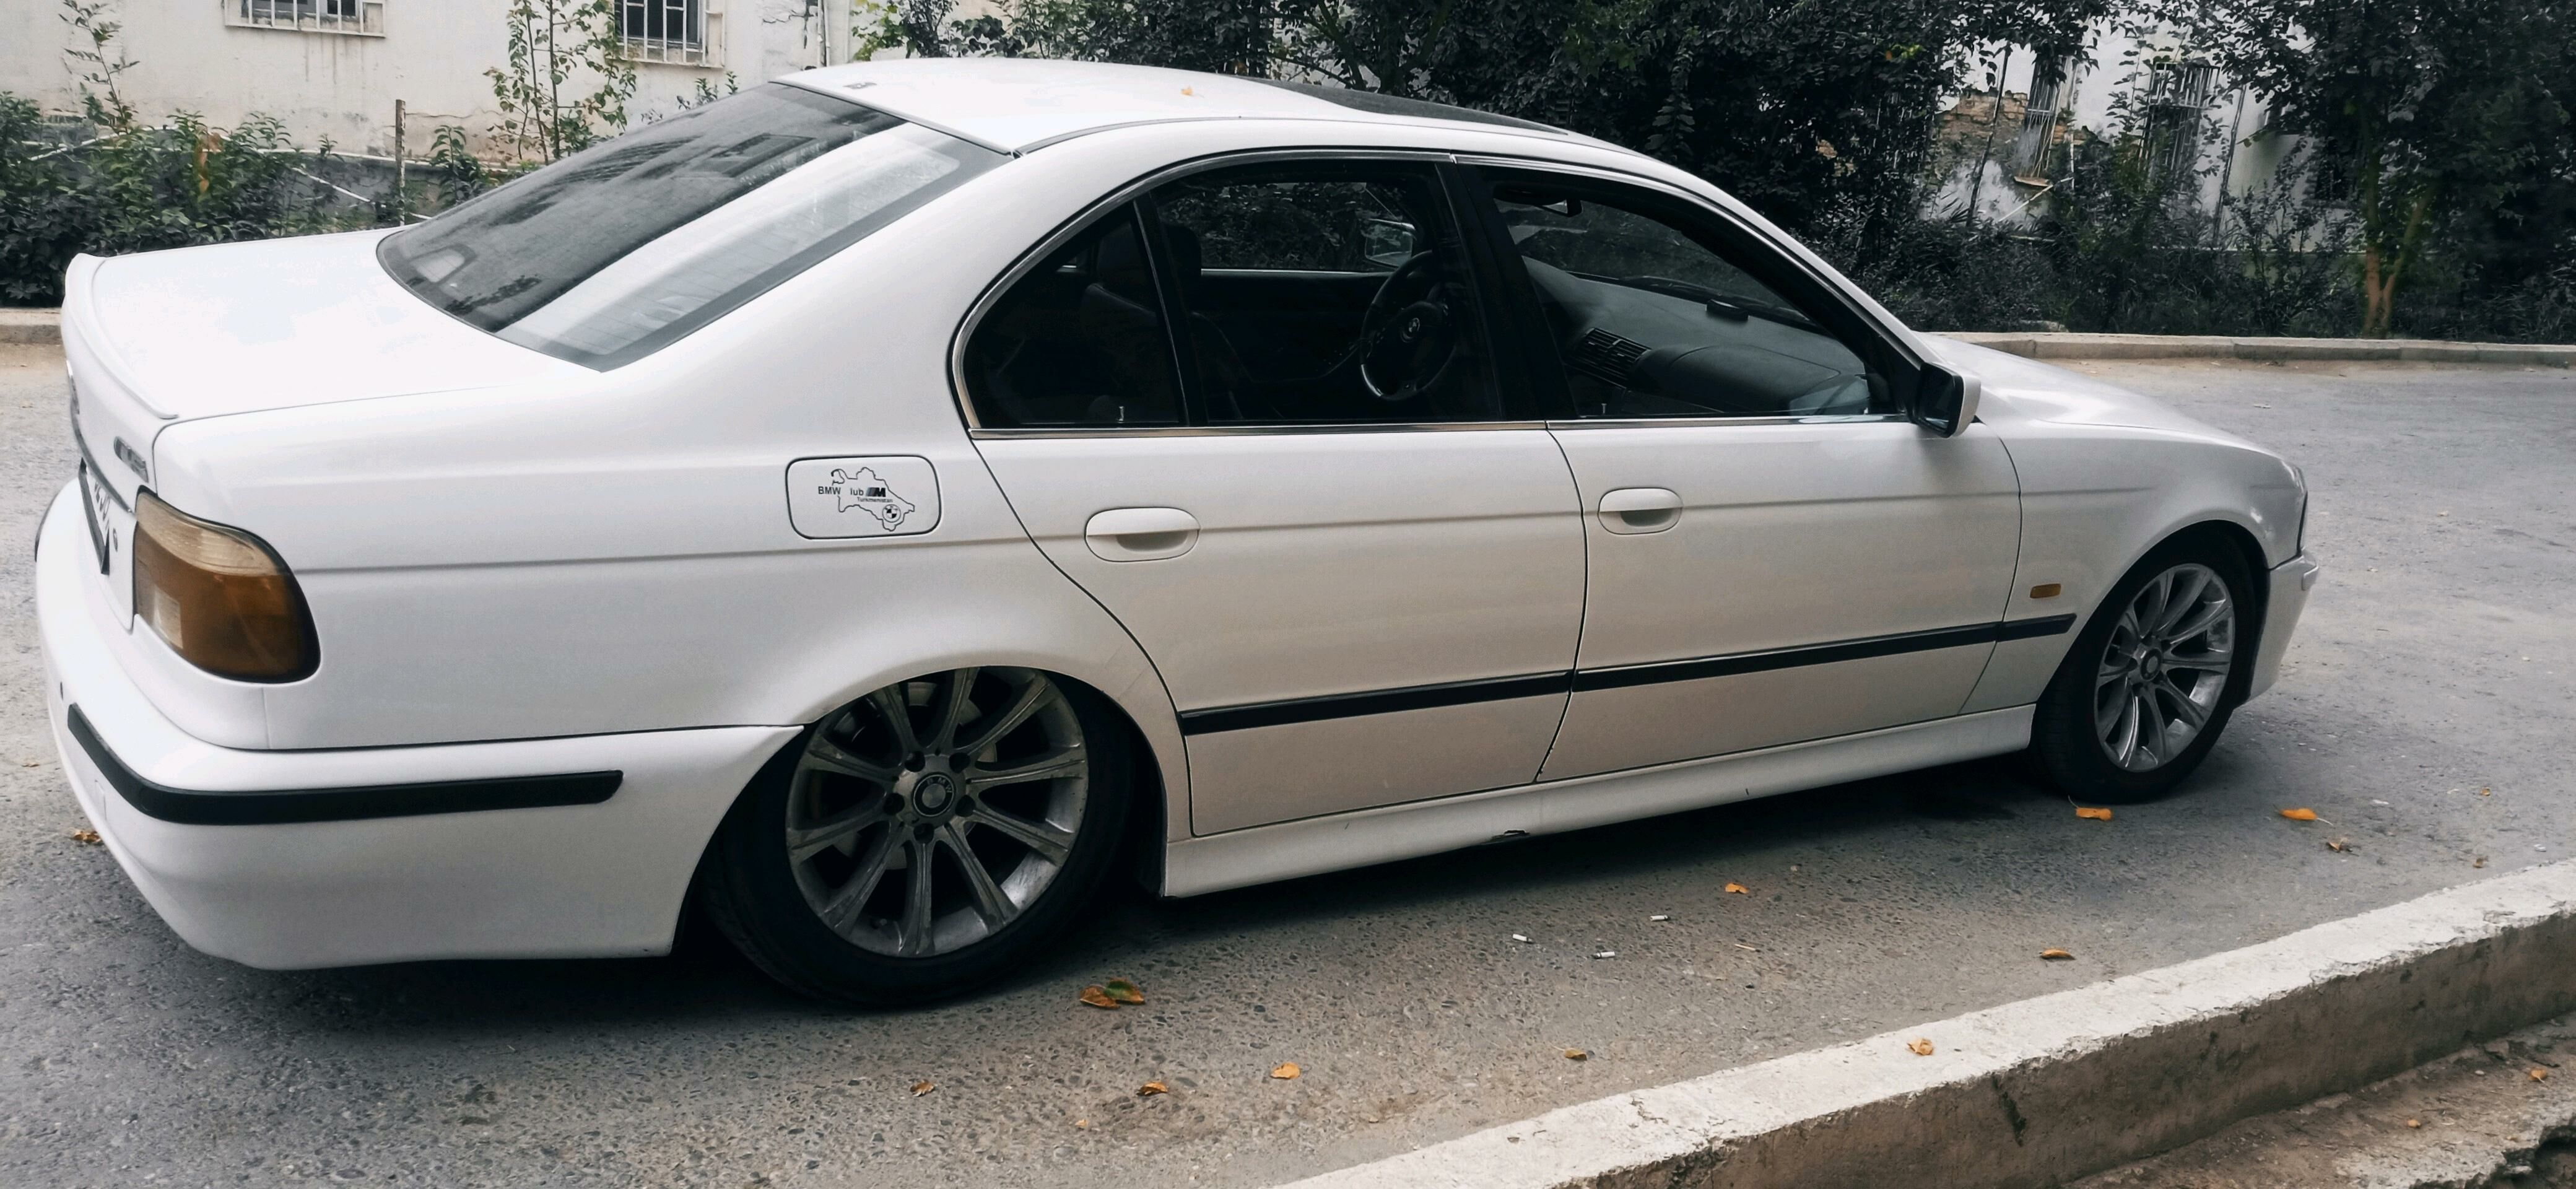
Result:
x=1249 y=430
x=1716 y=422
x=1082 y=221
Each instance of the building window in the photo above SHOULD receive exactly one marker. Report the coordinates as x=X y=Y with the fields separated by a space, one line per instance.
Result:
x=685 y=32
x=361 y=17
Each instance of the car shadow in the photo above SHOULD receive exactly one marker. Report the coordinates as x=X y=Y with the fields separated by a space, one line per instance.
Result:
x=704 y=979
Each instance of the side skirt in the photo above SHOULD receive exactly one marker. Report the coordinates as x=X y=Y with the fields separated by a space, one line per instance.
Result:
x=1313 y=846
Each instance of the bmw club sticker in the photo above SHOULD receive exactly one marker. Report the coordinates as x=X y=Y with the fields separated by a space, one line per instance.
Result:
x=895 y=495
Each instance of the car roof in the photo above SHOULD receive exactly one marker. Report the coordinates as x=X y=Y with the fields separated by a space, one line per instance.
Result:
x=1017 y=104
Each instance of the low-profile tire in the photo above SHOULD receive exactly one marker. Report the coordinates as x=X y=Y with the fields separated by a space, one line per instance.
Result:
x=1008 y=787
x=2149 y=685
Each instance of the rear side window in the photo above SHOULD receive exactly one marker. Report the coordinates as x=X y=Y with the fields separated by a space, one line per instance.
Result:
x=1079 y=341
x=608 y=255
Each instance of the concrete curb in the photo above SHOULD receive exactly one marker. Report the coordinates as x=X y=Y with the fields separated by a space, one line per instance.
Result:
x=2050 y=1089
x=2200 y=346
x=31 y=326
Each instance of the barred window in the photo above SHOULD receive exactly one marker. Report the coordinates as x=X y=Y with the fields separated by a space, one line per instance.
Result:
x=363 y=17
x=679 y=31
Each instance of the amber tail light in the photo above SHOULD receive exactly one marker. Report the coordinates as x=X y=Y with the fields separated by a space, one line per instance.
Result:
x=219 y=597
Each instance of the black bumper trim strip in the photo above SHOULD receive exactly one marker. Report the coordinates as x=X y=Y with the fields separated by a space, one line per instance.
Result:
x=1460 y=693
x=264 y=808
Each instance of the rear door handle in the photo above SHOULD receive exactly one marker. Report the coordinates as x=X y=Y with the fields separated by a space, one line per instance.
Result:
x=1140 y=534
x=1640 y=510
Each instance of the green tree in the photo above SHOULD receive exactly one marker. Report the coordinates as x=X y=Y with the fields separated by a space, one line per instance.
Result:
x=567 y=79
x=2420 y=108
x=1800 y=107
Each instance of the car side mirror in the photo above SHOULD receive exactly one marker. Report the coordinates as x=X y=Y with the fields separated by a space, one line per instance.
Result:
x=1387 y=242
x=1945 y=401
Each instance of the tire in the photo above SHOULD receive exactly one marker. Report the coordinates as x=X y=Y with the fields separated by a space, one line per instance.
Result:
x=2093 y=705
x=835 y=915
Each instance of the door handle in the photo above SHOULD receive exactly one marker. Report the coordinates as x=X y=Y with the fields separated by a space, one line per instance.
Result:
x=1640 y=510
x=1140 y=534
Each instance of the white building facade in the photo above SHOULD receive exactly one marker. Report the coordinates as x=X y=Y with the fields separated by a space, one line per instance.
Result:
x=333 y=69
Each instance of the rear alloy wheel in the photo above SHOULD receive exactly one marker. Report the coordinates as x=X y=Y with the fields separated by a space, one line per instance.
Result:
x=924 y=838
x=2149 y=685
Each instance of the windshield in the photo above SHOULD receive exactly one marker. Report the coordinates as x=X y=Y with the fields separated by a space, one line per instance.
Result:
x=609 y=254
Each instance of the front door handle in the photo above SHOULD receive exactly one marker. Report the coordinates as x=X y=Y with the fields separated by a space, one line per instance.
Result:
x=1140 y=534
x=1640 y=510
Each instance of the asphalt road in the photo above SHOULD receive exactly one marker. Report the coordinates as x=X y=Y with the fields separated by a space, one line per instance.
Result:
x=2435 y=663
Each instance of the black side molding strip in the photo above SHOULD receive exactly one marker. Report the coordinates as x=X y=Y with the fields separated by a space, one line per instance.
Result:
x=199 y=808
x=1418 y=697
x=2032 y=629
x=1460 y=693
x=1784 y=658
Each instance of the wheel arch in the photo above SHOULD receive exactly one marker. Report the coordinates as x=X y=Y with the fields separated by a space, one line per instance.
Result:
x=1154 y=791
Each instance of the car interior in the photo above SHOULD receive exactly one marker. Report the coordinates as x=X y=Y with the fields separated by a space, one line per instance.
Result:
x=1325 y=294
x=1651 y=322
x=1341 y=293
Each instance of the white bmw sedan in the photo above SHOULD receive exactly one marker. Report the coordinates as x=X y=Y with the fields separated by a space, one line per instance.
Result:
x=878 y=507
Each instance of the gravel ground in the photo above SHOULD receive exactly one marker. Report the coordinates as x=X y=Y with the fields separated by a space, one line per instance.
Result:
x=2433 y=668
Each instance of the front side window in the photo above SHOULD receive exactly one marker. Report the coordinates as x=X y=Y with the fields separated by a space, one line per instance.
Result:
x=611 y=253
x=1325 y=292
x=1652 y=318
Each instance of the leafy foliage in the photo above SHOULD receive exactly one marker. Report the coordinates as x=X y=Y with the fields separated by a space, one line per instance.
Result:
x=2426 y=108
x=567 y=80
x=145 y=188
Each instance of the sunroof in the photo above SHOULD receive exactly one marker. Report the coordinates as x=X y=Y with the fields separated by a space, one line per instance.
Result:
x=1396 y=105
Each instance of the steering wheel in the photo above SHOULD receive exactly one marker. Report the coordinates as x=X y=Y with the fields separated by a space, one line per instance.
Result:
x=1408 y=338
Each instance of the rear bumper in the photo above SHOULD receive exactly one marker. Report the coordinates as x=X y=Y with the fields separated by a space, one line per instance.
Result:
x=2291 y=582
x=572 y=847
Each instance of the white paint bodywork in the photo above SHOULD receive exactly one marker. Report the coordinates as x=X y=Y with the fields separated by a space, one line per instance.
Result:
x=520 y=566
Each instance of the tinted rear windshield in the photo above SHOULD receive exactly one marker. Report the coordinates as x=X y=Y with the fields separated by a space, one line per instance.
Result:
x=609 y=254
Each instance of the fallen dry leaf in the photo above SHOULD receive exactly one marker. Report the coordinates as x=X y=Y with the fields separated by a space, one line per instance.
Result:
x=1124 y=992
x=2094 y=812
x=2486 y=792
x=31 y=763
x=1739 y=889
x=2055 y=956
x=1921 y=1046
x=1577 y=1055
x=2540 y=1075
x=1287 y=1071
x=1099 y=998
x=1150 y=1089
x=1085 y=1124
x=2300 y=815
x=86 y=837
x=2339 y=844
x=2480 y=862
x=921 y=1088
x=2414 y=1122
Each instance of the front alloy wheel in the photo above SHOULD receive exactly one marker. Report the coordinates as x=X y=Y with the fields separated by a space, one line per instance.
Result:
x=2164 y=668
x=925 y=838
x=2150 y=683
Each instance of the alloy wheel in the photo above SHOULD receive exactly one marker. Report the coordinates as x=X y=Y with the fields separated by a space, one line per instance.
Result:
x=2164 y=668
x=932 y=813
